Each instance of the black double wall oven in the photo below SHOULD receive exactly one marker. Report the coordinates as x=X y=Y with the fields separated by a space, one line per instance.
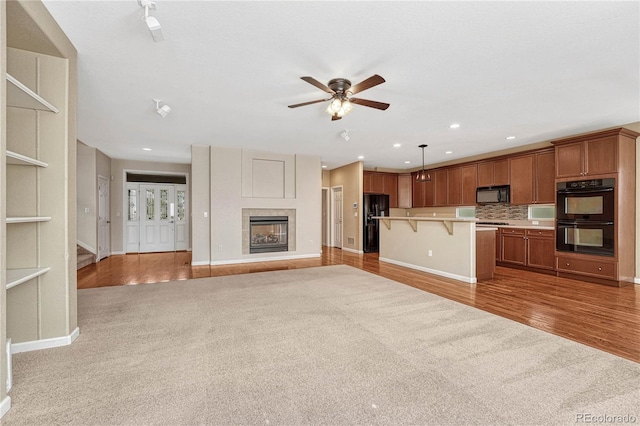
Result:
x=585 y=213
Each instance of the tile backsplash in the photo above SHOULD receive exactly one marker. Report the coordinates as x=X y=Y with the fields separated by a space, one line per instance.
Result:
x=501 y=212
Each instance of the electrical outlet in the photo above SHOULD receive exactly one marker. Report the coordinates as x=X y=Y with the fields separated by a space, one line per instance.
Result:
x=430 y=253
x=206 y=214
x=219 y=247
x=86 y=209
x=535 y=222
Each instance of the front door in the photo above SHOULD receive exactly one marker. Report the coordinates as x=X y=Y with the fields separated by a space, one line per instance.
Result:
x=157 y=227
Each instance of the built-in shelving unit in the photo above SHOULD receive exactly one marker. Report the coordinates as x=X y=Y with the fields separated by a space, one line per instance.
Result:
x=20 y=96
x=22 y=160
x=28 y=219
x=19 y=276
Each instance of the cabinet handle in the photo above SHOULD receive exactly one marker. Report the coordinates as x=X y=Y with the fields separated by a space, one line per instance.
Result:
x=567 y=264
x=599 y=269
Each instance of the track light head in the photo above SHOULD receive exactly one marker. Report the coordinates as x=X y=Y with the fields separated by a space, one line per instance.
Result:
x=163 y=110
x=152 y=23
x=345 y=135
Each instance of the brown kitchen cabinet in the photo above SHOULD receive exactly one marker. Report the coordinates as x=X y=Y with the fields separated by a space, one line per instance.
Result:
x=440 y=186
x=514 y=247
x=541 y=244
x=381 y=183
x=418 y=191
x=492 y=173
x=469 y=184
x=521 y=178
x=405 y=191
x=532 y=178
x=544 y=181
x=533 y=248
x=588 y=157
x=454 y=186
x=390 y=187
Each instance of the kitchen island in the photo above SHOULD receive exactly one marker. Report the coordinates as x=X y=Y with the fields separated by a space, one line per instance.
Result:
x=440 y=246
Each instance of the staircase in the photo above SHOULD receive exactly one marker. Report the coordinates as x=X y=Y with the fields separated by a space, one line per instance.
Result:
x=85 y=257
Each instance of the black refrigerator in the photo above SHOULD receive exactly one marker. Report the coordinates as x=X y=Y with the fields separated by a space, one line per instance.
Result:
x=373 y=205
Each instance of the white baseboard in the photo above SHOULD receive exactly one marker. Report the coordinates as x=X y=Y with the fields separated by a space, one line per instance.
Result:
x=5 y=405
x=352 y=250
x=636 y=280
x=201 y=263
x=87 y=247
x=118 y=252
x=262 y=259
x=470 y=280
x=53 y=342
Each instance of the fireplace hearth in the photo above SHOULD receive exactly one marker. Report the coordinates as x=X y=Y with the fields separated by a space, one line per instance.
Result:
x=268 y=234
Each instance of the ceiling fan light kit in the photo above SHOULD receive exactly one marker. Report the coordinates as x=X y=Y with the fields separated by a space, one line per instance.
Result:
x=423 y=175
x=152 y=23
x=341 y=92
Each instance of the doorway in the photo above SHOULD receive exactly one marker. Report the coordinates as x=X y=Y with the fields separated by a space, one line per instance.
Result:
x=336 y=216
x=157 y=217
x=104 y=220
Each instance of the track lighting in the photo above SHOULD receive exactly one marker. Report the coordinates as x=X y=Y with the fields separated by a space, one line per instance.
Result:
x=152 y=23
x=345 y=135
x=162 y=110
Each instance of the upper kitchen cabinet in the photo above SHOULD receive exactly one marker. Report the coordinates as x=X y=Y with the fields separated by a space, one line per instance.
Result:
x=532 y=178
x=404 y=191
x=492 y=173
x=439 y=178
x=390 y=186
x=545 y=188
x=381 y=183
x=590 y=155
x=461 y=185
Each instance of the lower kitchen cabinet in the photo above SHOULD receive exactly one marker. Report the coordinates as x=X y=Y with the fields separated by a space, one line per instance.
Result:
x=532 y=248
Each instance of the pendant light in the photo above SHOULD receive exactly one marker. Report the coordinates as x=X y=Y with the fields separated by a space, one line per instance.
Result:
x=423 y=175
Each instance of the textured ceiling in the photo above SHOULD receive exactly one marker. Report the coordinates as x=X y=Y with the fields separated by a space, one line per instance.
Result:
x=534 y=70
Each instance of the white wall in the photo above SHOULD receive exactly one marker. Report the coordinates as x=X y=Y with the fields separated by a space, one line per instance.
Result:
x=226 y=203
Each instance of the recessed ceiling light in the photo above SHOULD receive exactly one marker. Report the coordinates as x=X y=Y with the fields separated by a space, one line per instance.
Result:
x=510 y=138
x=454 y=126
x=324 y=166
x=407 y=162
x=360 y=157
x=449 y=152
x=397 y=145
x=146 y=149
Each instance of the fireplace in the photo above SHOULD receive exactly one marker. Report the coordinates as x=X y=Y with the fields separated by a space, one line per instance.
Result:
x=268 y=234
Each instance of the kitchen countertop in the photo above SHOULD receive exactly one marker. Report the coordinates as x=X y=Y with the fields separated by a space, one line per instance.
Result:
x=548 y=228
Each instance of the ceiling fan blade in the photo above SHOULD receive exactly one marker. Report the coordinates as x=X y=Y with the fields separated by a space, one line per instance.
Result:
x=335 y=117
x=370 y=104
x=374 y=80
x=308 y=103
x=319 y=85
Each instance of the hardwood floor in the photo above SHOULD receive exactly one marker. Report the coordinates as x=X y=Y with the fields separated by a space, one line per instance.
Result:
x=606 y=318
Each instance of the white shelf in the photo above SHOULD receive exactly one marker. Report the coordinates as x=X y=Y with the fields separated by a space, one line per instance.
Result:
x=23 y=160
x=20 y=96
x=19 y=276
x=28 y=219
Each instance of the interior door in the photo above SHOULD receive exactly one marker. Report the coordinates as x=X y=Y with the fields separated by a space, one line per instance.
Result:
x=104 y=222
x=157 y=227
x=337 y=217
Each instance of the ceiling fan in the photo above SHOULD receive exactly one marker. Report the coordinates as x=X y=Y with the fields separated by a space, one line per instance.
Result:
x=341 y=91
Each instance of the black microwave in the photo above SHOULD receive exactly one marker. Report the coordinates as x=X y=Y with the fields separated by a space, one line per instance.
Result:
x=493 y=194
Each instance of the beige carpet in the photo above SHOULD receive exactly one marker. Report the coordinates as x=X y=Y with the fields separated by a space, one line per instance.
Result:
x=328 y=345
